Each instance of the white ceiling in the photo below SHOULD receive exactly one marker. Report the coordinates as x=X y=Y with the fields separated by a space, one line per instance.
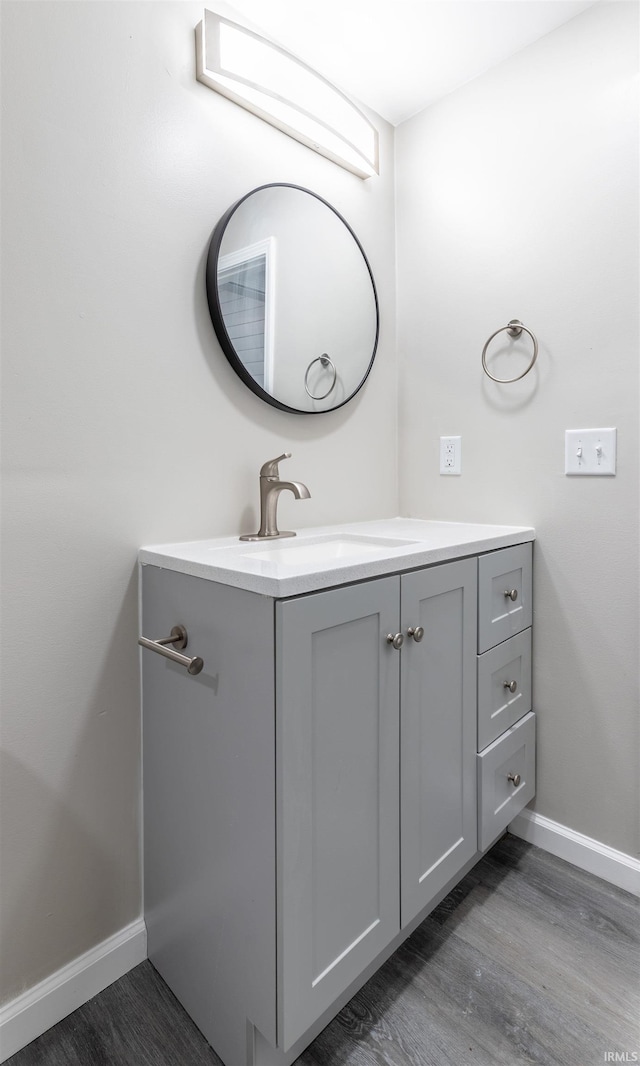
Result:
x=398 y=56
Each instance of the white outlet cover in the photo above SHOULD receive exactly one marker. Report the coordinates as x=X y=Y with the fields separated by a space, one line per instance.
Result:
x=590 y=452
x=451 y=455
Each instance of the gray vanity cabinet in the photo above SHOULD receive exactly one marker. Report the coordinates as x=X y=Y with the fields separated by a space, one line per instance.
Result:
x=310 y=794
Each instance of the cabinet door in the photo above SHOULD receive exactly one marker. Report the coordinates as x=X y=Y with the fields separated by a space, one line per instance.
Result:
x=438 y=730
x=337 y=684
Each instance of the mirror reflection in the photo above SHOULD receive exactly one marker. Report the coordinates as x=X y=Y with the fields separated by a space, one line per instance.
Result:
x=292 y=299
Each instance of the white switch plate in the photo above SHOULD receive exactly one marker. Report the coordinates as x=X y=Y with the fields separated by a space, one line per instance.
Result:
x=450 y=455
x=590 y=451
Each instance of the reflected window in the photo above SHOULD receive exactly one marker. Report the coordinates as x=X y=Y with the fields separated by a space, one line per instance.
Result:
x=246 y=296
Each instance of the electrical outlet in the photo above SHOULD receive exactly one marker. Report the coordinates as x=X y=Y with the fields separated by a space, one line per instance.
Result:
x=450 y=455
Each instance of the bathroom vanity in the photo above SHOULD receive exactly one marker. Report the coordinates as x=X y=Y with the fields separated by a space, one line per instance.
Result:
x=360 y=732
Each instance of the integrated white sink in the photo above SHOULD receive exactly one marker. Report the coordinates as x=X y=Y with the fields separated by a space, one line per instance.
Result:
x=327 y=556
x=332 y=548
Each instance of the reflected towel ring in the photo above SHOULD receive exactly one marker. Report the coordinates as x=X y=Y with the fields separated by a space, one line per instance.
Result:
x=514 y=329
x=325 y=361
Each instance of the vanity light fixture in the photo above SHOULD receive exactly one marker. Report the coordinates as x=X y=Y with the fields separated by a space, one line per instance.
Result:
x=279 y=88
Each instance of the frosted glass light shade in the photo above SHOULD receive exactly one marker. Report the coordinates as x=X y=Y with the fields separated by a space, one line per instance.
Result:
x=273 y=84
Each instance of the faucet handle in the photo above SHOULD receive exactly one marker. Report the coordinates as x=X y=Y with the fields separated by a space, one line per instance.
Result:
x=270 y=468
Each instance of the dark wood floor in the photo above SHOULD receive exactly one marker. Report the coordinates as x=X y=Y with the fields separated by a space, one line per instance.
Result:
x=528 y=960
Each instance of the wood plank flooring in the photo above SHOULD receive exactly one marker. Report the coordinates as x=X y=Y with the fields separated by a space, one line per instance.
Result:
x=528 y=960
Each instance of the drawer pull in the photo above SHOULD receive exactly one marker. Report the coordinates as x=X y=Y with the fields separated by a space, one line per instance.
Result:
x=511 y=594
x=179 y=638
x=417 y=632
x=515 y=778
x=511 y=685
x=396 y=639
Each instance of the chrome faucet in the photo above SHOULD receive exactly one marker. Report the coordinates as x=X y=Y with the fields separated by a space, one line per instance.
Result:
x=270 y=488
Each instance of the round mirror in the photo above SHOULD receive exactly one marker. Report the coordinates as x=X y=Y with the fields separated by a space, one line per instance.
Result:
x=292 y=299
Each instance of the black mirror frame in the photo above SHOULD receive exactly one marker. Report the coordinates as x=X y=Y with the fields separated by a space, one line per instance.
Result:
x=215 y=311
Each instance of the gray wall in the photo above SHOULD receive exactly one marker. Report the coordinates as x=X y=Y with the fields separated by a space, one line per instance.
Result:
x=517 y=196
x=123 y=423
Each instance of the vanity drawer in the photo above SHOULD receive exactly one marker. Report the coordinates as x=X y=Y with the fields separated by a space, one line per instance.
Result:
x=499 y=798
x=504 y=595
x=499 y=670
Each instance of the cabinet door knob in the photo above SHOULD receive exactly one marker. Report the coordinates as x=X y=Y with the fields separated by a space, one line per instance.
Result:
x=396 y=639
x=515 y=778
x=417 y=632
x=511 y=685
x=511 y=594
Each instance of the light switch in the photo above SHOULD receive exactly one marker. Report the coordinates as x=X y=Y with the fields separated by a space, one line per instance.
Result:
x=590 y=451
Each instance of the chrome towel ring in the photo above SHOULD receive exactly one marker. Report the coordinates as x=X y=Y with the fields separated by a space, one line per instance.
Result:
x=325 y=361
x=514 y=329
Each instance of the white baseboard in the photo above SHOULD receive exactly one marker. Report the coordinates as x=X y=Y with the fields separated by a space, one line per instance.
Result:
x=36 y=1010
x=588 y=854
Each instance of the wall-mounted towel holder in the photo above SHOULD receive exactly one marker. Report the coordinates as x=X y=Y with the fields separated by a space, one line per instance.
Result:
x=325 y=362
x=514 y=329
x=180 y=639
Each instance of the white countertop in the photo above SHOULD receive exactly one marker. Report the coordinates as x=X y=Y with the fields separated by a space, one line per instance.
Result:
x=325 y=556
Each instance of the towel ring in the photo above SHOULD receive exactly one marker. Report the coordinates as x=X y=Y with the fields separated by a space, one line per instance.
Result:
x=325 y=361
x=514 y=329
